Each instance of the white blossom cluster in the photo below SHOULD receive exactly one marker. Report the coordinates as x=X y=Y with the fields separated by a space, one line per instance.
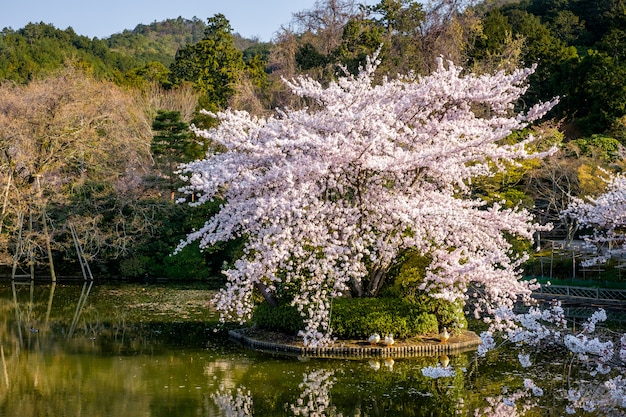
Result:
x=328 y=196
x=531 y=328
x=529 y=384
x=438 y=371
x=601 y=388
x=237 y=405
x=314 y=400
x=606 y=215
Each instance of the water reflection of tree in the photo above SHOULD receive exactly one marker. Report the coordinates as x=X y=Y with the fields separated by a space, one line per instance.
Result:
x=28 y=318
x=238 y=404
x=33 y=316
x=578 y=371
x=350 y=388
x=132 y=366
x=315 y=400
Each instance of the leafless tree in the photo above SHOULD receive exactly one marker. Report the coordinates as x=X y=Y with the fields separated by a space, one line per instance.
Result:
x=326 y=20
x=183 y=99
x=65 y=142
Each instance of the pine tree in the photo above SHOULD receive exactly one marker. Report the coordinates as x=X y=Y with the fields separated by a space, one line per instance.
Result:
x=172 y=144
x=213 y=65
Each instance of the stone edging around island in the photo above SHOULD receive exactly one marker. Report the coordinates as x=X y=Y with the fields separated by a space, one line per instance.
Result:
x=404 y=351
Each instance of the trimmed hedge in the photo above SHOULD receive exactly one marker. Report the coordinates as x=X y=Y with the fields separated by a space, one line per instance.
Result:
x=357 y=318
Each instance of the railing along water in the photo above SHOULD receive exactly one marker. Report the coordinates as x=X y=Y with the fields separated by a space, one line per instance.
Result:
x=582 y=302
x=583 y=292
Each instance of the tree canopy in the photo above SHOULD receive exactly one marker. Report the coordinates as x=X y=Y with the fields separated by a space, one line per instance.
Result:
x=213 y=65
x=327 y=198
x=66 y=132
x=578 y=47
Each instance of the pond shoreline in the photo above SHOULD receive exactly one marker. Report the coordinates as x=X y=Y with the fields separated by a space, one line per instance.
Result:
x=415 y=347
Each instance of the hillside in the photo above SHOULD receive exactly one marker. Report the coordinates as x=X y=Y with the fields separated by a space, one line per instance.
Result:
x=157 y=41
x=39 y=49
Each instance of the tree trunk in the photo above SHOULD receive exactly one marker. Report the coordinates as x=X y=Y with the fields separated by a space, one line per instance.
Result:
x=268 y=296
x=6 y=200
x=357 y=288
x=377 y=278
x=44 y=221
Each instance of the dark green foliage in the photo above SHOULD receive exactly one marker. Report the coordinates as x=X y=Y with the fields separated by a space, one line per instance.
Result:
x=283 y=318
x=358 y=318
x=152 y=255
x=172 y=144
x=189 y=264
x=135 y=267
x=496 y=27
x=360 y=39
x=595 y=90
x=213 y=65
x=254 y=50
x=40 y=49
x=579 y=47
x=307 y=57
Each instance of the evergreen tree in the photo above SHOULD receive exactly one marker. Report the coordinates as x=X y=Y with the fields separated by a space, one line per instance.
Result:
x=172 y=144
x=212 y=65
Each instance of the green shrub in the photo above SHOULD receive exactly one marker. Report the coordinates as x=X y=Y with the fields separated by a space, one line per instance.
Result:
x=448 y=314
x=135 y=267
x=599 y=146
x=358 y=318
x=405 y=279
x=283 y=318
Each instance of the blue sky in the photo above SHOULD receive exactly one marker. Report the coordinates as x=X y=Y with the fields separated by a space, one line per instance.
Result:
x=102 y=18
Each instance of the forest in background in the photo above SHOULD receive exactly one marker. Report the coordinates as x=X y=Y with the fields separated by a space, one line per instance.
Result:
x=92 y=130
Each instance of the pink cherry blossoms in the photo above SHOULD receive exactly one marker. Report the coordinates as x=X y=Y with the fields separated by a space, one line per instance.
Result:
x=606 y=215
x=328 y=196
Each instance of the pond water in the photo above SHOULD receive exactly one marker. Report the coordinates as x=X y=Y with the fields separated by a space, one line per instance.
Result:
x=152 y=350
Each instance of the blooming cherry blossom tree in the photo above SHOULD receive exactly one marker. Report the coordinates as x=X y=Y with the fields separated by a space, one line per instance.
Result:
x=606 y=215
x=328 y=196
